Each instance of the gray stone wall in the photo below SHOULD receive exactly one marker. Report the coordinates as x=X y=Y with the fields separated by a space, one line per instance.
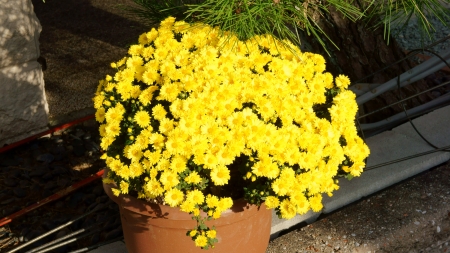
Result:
x=23 y=105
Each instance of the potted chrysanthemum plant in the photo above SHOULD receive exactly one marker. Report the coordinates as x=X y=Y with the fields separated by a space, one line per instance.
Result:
x=195 y=122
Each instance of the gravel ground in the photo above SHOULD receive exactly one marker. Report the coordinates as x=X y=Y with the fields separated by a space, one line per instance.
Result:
x=409 y=38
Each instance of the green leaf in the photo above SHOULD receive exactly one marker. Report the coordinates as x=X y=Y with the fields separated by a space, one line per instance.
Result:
x=349 y=177
x=400 y=13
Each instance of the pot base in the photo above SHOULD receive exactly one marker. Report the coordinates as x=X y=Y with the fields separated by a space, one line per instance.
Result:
x=152 y=228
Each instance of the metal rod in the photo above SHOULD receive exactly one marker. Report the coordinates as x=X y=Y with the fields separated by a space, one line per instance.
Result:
x=68 y=241
x=53 y=197
x=97 y=208
x=403 y=100
x=407 y=158
x=408 y=77
x=50 y=131
x=418 y=110
x=404 y=58
x=69 y=235
x=57 y=240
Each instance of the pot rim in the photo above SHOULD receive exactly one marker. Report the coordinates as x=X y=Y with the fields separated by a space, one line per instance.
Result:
x=139 y=206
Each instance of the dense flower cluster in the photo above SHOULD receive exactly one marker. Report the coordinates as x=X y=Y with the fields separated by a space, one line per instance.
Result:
x=189 y=108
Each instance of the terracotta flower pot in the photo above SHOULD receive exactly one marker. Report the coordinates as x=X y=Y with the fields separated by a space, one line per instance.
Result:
x=152 y=228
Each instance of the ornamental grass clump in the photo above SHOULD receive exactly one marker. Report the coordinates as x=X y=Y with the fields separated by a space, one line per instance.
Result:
x=194 y=118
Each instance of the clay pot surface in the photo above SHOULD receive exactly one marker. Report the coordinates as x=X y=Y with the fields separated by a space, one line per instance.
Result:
x=153 y=228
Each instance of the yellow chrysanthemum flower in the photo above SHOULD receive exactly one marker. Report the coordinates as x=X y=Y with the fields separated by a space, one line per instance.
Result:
x=287 y=209
x=201 y=241
x=151 y=36
x=106 y=142
x=281 y=186
x=212 y=201
x=134 y=152
x=114 y=114
x=173 y=197
x=112 y=129
x=136 y=50
x=115 y=191
x=100 y=115
x=193 y=178
x=272 y=202
x=150 y=76
x=146 y=95
x=220 y=175
x=316 y=202
x=159 y=112
x=224 y=204
x=342 y=81
x=98 y=101
x=166 y=125
x=142 y=118
x=169 y=92
x=211 y=233
x=211 y=161
x=178 y=164
x=124 y=187
x=154 y=188
x=143 y=39
x=168 y=22
x=187 y=206
x=136 y=169
x=196 y=197
x=169 y=178
x=192 y=233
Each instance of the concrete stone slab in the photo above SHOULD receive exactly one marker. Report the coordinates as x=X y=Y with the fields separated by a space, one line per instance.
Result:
x=23 y=104
x=279 y=225
x=19 y=32
x=433 y=126
x=115 y=247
